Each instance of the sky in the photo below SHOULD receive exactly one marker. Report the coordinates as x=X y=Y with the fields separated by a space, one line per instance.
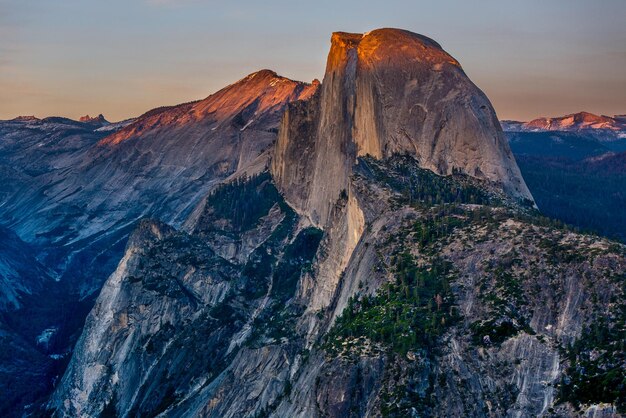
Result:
x=121 y=58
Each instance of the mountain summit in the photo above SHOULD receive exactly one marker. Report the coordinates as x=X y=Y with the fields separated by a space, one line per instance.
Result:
x=575 y=121
x=241 y=105
x=386 y=92
x=601 y=127
x=380 y=267
x=97 y=119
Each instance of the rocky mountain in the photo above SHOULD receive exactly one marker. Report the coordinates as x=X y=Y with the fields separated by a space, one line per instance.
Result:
x=98 y=120
x=458 y=309
x=75 y=190
x=390 y=262
x=611 y=130
x=576 y=121
x=388 y=92
x=576 y=176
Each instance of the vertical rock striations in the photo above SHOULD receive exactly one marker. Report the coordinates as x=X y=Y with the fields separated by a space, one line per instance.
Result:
x=389 y=92
x=421 y=295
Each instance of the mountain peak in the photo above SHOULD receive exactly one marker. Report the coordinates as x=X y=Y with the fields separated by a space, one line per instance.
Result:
x=388 y=92
x=574 y=122
x=260 y=93
x=264 y=73
x=388 y=46
x=88 y=119
x=25 y=118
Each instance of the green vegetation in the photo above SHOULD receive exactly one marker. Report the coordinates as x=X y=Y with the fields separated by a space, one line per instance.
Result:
x=298 y=256
x=402 y=400
x=167 y=260
x=258 y=270
x=597 y=371
x=423 y=188
x=242 y=202
x=558 y=253
x=409 y=314
x=277 y=319
x=438 y=225
x=588 y=195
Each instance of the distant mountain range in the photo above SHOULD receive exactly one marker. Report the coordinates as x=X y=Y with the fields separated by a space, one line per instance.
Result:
x=604 y=128
x=572 y=122
x=575 y=166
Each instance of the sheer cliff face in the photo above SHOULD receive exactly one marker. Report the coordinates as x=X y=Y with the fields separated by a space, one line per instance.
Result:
x=389 y=92
x=216 y=322
x=76 y=191
x=90 y=188
x=421 y=295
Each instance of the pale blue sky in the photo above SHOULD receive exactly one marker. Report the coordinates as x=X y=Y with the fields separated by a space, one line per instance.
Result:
x=121 y=58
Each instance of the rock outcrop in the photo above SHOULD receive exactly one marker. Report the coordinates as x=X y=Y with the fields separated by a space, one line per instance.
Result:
x=464 y=310
x=97 y=121
x=383 y=267
x=77 y=189
x=389 y=92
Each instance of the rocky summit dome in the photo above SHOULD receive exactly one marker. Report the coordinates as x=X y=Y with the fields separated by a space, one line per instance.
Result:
x=386 y=92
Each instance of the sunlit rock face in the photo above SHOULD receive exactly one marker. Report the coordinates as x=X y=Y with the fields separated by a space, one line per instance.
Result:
x=576 y=121
x=85 y=188
x=610 y=131
x=75 y=190
x=352 y=278
x=244 y=104
x=388 y=92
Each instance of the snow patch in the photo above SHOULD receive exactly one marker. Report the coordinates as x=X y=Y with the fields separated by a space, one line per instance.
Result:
x=43 y=339
x=57 y=356
x=115 y=126
x=247 y=124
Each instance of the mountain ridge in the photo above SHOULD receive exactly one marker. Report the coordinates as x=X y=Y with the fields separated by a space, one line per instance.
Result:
x=77 y=201
x=387 y=92
x=363 y=246
x=580 y=121
x=221 y=105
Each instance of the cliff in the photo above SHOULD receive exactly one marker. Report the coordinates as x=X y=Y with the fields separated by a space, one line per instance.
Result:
x=383 y=267
x=389 y=92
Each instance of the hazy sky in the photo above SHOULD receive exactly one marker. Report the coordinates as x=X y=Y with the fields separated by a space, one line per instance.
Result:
x=121 y=58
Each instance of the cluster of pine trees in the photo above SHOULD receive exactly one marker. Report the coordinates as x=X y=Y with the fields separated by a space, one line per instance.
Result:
x=243 y=201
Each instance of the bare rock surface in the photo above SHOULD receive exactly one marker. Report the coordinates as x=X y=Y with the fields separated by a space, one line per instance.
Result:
x=390 y=263
x=389 y=92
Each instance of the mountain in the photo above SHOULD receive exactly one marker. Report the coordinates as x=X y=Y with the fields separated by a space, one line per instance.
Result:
x=575 y=122
x=75 y=190
x=24 y=360
x=572 y=122
x=98 y=120
x=382 y=265
x=20 y=272
x=389 y=92
x=576 y=175
x=609 y=162
x=81 y=188
x=609 y=130
x=587 y=193
x=570 y=145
